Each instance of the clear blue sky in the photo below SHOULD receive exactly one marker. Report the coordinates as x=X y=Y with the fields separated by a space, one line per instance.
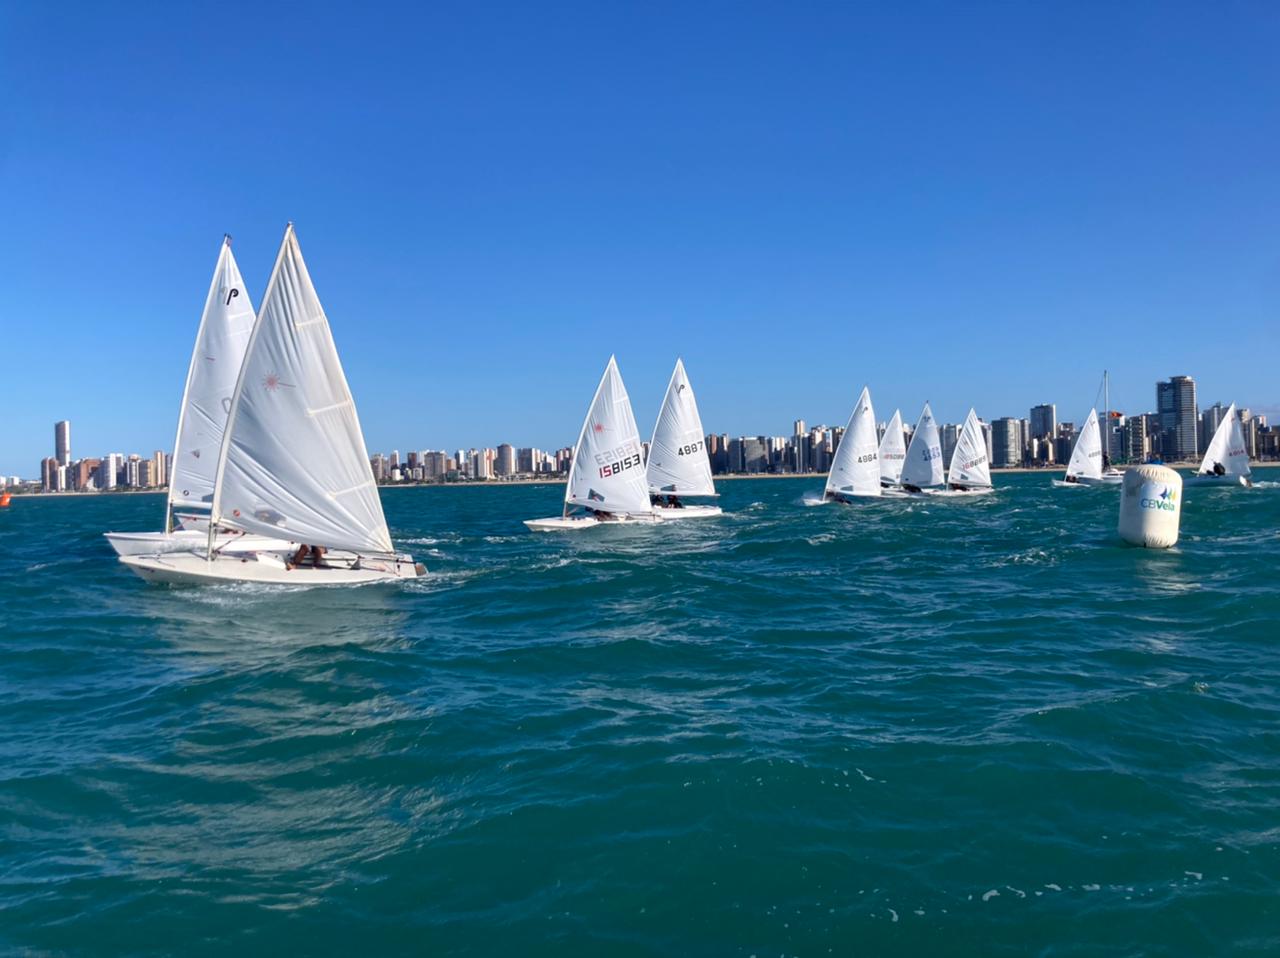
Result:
x=979 y=204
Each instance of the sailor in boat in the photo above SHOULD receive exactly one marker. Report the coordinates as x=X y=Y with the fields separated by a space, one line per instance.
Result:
x=673 y=502
x=1219 y=469
x=305 y=552
x=910 y=488
x=1071 y=478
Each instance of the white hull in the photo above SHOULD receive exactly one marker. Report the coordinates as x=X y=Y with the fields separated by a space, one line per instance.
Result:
x=960 y=493
x=576 y=523
x=1218 y=481
x=1107 y=479
x=670 y=513
x=184 y=540
x=190 y=568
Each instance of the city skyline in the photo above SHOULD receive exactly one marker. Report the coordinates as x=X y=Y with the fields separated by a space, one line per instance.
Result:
x=1178 y=432
x=794 y=201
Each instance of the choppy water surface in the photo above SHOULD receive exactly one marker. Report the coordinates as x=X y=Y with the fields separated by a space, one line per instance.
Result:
x=976 y=728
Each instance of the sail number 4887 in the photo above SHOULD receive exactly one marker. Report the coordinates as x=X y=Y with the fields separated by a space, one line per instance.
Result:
x=690 y=449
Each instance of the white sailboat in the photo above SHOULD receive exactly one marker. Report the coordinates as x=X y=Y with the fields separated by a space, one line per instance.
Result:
x=922 y=467
x=293 y=462
x=1085 y=467
x=855 y=469
x=1226 y=460
x=221 y=339
x=892 y=452
x=678 y=463
x=969 y=473
x=607 y=482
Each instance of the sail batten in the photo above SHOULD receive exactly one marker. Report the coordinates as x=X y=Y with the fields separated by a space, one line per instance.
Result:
x=293 y=446
x=856 y=469
x=223 y=335
x=608 y=473
x=678 y=462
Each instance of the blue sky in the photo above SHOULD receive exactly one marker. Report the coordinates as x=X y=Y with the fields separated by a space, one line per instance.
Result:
x=979 y=204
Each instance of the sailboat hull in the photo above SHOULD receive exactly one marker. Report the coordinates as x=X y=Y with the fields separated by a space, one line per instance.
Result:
x=190 y=568
x=1217 y=481
x=959 y=493
x=577 y=523
x=184 y=540
x=671 y=513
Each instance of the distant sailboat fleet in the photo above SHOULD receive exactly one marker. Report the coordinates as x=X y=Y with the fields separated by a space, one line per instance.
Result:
x=272 y=482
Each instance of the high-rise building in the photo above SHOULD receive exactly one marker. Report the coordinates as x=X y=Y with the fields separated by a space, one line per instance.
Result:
x=505 y=464
x=109 y=471
x=1176 y=405
x=131 y=472
x=1044 y=421
x=49 y=474
x=949 y=435
x=1136 y=447
x=62 y=442
x=147 y=473
x=160 y=460
x=1006 y=443
x=1210 y=420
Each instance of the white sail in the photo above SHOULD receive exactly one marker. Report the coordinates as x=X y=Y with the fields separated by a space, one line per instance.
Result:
x=1227 y=448
x=1086 y=457
x=608 y=462
x=678 y=461
x=923 y=465
x=893 y=450
x=224 y=332
x=293 y=462
x=970 y=466
x=855 y=470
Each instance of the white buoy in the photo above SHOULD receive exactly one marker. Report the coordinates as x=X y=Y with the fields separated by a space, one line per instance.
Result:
x=1150 y=506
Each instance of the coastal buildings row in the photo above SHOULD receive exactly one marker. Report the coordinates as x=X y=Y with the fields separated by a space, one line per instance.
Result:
x=1177 y=431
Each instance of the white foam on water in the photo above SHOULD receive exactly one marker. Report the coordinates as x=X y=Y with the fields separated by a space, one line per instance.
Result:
x=990 y=895
x=1053 y=887
x=1196 y=875
x=893 y=914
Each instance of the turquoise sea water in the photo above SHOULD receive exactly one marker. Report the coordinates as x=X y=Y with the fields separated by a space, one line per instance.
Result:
x=963 y=728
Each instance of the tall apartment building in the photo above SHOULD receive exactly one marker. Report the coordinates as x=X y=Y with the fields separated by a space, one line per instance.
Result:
x=62 y=442
x=1006 y=443
x=1179 y=418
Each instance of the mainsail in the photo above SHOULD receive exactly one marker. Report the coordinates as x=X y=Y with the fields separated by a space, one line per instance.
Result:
x=224 y=332
x=892 y=451
x=608 y=461
x=923 y=465
x=678 y=462
x=1086 y=457
x=1227 y=448
x=855 y=470
x=969 y=463
x=293 y=462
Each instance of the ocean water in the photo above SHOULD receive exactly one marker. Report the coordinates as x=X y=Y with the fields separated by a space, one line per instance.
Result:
x=962 y=728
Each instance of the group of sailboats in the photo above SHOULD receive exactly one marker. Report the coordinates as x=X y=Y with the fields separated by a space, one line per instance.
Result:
x=271 y=477
x=610 y=480
x=864 y=468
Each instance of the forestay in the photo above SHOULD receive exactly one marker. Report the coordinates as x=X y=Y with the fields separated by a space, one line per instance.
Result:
x=608 y=461
x=224 y=332
x=1086 y=457
x=855 y=470
x=970 y=466
x=294 y=463
x=678 y=462
x=1227 y=448
x=923 y=465
x=892 y=451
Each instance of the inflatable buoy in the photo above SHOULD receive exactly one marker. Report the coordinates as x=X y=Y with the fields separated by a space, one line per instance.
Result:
x=1150 y=506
